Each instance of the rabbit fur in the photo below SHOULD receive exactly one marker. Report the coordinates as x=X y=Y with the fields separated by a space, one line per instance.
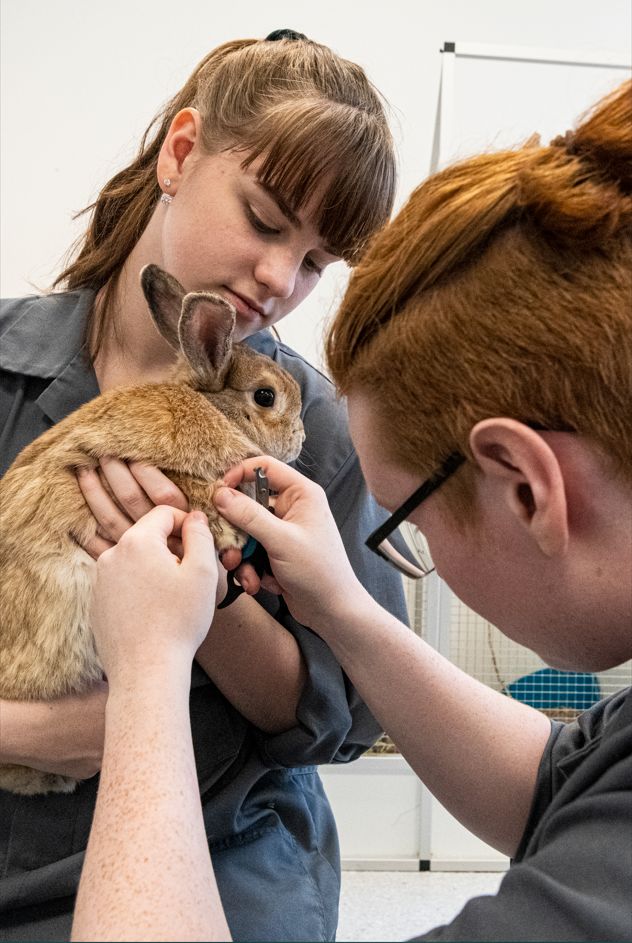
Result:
x=194 y=427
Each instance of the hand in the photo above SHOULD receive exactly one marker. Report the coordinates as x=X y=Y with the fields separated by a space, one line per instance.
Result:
x=63 y=736
x=149 y=607
x=307 y=556
x=118 y=494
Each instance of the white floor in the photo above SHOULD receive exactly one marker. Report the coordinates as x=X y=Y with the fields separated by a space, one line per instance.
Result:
x=396 y=905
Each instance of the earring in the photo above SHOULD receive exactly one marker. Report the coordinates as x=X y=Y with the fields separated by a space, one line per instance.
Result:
x=165 y=197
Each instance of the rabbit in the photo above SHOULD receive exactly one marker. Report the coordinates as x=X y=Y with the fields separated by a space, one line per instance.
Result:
x=223 y=403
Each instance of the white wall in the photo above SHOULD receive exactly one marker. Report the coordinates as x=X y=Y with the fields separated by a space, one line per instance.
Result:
x=81 y=80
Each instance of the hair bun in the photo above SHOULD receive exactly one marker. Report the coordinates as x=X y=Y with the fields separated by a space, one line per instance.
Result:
x=284 y=34
x=567 y=141
x=580 y=186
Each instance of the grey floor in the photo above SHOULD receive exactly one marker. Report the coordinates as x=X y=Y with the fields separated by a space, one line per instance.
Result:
x=395 y=905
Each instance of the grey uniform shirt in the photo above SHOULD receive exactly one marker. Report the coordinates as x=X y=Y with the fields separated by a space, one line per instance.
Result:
x=259 y=790
x=572 y=875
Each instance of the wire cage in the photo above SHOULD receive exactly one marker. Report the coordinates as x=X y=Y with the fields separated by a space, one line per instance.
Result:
x=481 y=650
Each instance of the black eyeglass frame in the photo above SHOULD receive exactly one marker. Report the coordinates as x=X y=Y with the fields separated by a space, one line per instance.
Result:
x=384 y=531
x=452 y=463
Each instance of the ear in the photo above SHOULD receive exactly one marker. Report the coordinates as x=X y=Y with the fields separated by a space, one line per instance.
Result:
x=206 y=330
x=182 y=137
x=164 y=296
x=528 y=474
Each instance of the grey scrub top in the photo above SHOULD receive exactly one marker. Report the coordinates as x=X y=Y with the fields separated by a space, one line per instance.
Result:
x=571 y=878
x=268 y=822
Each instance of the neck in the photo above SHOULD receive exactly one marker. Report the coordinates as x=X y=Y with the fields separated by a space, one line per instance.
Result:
x=133 y=351
x=604 y=529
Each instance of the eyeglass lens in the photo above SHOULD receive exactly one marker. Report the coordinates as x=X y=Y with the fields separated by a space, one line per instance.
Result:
x=418 y=548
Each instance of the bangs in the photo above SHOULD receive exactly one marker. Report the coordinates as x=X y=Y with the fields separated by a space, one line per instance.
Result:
x=333 y=149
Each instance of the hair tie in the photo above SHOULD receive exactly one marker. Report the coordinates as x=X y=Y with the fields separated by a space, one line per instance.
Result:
x=284 y=34
x=567 y=141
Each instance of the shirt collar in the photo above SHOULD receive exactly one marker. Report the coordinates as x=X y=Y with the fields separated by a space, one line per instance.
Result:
x=264 y=342
x=75 y=385
x=48 y=340
x=47 y=334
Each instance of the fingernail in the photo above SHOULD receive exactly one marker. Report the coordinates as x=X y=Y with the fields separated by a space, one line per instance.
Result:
x=199 y=517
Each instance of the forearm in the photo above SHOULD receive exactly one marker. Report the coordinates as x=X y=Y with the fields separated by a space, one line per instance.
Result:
x=478 y=751
x=28 y=734
x=256 y=664
x=63 y=736
x=147 y=873
x=20 y=728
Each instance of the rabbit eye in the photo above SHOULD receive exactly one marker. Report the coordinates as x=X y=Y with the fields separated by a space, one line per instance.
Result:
x=264 y=397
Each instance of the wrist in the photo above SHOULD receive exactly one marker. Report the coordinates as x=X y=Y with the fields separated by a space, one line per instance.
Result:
x=158 y=671
x=362 y=635
x=345 y=615
x=147 y=714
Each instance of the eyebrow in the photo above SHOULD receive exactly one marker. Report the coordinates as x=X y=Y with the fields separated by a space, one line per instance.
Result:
x=287 y=211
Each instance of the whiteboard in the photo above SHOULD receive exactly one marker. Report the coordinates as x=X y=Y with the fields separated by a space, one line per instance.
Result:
x=492 y=97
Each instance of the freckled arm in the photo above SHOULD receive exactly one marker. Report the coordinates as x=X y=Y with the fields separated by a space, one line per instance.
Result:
x=145 y=818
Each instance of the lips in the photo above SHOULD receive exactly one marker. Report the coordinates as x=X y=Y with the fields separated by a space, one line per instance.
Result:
x=244 y=306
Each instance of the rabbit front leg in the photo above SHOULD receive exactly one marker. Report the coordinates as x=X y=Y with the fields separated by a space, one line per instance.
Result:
x=200 y=494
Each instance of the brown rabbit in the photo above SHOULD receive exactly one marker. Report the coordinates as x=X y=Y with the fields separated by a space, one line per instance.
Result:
x=222 y=404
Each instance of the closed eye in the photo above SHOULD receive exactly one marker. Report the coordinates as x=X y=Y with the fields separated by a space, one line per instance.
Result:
x=258 y=225
x=312 y=266
x=309 y=264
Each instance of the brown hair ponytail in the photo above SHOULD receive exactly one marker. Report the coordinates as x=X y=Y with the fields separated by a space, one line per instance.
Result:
x=125 y=204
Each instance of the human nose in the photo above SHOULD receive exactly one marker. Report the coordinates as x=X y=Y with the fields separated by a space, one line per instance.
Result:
x=278 y=272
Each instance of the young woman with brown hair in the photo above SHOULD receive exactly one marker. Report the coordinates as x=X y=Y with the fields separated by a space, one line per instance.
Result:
x=485 y=344
x=274 y=161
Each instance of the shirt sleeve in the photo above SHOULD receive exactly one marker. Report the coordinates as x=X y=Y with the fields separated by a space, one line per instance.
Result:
x=576 y=887
x=334 y=725
x=571 y=877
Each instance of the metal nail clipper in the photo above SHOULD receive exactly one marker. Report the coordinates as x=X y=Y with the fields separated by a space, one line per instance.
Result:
x=252 y=552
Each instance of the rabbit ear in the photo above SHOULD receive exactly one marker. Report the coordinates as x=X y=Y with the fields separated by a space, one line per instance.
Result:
x=206 y=330
x=164 y=296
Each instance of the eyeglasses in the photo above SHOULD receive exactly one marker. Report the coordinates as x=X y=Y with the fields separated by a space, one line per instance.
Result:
x=379 y=543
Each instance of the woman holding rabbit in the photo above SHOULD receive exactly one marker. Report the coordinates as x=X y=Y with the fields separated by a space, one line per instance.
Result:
x=274 y=161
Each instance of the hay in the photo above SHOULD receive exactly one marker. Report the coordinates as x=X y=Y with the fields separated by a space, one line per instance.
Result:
x=385 y=746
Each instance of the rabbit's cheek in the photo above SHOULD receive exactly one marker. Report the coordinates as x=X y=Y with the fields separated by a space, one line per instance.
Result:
x=296 y=444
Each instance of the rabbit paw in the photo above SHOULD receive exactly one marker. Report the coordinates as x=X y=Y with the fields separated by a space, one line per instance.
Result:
x=200 y=494
x=226 y=535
